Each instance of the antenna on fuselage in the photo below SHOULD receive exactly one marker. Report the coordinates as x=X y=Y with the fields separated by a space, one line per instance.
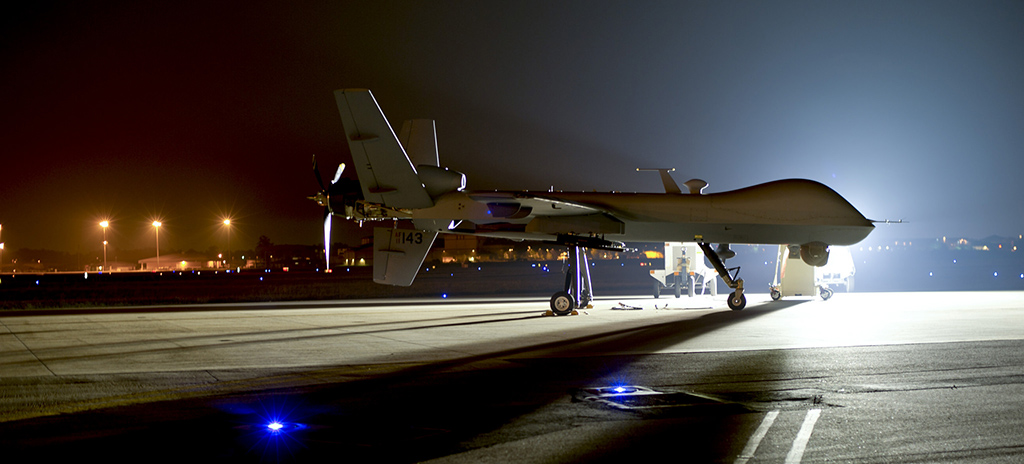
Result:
x=666 y=178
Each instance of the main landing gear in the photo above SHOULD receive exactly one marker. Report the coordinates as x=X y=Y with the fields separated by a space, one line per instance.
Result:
x=578 y=291
x=737 y=300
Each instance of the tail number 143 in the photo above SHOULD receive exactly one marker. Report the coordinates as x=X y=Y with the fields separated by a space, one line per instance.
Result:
x=414 y=237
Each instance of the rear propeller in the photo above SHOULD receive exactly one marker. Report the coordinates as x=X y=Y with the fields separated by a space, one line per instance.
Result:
x=323 y=198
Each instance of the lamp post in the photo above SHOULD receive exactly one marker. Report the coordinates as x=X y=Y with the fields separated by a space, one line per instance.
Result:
x=104 y=225
x=227 y=223
x=156 y=226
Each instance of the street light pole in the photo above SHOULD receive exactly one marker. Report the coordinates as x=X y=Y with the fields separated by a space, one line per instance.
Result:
x=104 y=225
x=227 y=223
x=156 y=225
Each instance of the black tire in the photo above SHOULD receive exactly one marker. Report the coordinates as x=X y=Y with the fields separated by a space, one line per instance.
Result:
x=562 y=304
x=657 y=289
x=737 y=304
x=826 y=293
x=776 y=295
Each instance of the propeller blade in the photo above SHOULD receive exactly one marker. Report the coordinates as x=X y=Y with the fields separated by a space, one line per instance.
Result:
x=316 y=172
x=327 y=238
x=337 y=175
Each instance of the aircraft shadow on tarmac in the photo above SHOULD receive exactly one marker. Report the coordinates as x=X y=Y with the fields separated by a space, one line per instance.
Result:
x=436 y=409
x=418 y=412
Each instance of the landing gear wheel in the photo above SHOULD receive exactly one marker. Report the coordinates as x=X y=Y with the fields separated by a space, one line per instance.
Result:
x=737 y=303
x=776 y=295
x=826 y=293
x=562 y=304
x=657 y=289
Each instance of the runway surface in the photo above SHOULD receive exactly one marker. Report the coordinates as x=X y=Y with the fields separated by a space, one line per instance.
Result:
x=883 y=377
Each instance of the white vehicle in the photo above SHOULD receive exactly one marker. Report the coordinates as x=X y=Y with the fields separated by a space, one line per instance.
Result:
x=838 y=271
x=684 y=269
x=793 y=277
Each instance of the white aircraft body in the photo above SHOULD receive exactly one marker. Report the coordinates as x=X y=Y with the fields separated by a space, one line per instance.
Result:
x=400 y=178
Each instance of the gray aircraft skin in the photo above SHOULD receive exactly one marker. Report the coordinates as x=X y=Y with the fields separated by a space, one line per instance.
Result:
x=400 y=178
x=791 y=211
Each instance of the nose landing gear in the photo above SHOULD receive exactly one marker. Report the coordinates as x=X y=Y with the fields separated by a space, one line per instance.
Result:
x=737 y=301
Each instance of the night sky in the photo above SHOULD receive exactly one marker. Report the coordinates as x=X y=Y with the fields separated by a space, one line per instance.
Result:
x=190 y=112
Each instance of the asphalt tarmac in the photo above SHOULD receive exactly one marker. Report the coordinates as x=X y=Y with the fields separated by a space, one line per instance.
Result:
x=865 y=377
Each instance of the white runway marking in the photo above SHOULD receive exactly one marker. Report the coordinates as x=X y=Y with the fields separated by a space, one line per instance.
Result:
x=755 y=439
x=796 y=453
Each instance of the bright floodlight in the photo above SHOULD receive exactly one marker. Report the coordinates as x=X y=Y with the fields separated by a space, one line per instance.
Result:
x=157 y=224
x=104 y=225
x=227 y=223
x=275 y=426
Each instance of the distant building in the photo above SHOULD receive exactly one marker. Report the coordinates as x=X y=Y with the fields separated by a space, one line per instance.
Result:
x=114 y=266
x=179 y=262
x=356 y=256
x=295 y=257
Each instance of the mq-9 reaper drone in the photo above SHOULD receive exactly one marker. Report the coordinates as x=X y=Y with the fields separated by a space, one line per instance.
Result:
x=400 y=179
